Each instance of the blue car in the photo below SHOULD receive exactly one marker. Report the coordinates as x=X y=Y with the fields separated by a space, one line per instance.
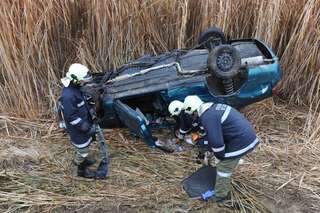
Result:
x=235 y=72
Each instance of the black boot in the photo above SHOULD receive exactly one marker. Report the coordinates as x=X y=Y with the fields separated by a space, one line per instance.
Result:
x=102 y=170
x=223 y=199
x=89 y=161
x=84 y=171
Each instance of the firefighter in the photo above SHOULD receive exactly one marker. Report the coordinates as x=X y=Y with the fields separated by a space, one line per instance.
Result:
x=77 y=118
x=230 y=137
x=185 y=123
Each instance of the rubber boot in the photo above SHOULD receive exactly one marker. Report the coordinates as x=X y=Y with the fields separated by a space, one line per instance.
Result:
x=102 y=170
x=223 y=199
x=89 y=161
x=84 y=171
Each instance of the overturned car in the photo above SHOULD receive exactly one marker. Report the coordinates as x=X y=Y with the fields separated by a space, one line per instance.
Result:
x=234 y=72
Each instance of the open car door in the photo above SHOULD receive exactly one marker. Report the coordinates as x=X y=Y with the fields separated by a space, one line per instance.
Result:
x=134 y=121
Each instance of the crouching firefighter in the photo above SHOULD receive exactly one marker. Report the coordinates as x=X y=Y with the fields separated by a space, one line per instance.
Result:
x=78 y=118
x=185 y=123
x=230 y=136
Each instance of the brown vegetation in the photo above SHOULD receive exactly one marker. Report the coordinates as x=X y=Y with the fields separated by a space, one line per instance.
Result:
x=40 y=39
x=281 y=175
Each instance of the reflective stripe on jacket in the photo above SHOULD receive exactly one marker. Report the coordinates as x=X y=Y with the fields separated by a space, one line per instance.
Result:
x=188 y=124
x=76 y=115
x=229 y=133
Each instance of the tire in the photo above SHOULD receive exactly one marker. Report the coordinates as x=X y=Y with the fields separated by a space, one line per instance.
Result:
x=211 y=38
x=224 y=62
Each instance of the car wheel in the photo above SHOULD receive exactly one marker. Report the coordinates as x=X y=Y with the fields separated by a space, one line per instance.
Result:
x=224 y=62
x=211 y=38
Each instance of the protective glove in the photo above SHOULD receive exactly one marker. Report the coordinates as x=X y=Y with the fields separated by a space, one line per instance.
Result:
x=179 y=135
x=188 y=139
x=93 y=113
x=93 y=129
x=208 y=194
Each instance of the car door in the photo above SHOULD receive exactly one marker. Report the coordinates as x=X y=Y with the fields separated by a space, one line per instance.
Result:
x=134 y=121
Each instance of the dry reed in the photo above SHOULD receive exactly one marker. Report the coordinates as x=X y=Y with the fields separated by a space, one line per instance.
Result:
x=40 y=39
x=282 y=175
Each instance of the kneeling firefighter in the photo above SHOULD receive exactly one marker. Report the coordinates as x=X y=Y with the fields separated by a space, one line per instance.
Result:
x=230 y=136
x=79 y=120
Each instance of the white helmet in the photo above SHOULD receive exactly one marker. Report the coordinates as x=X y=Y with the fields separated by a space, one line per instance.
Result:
x=191 y=104
x=175 y=107
x=77 y=72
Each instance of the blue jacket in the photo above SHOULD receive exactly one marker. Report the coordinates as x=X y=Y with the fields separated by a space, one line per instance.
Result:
x=77 y=116
x=229 y=133
x=188 y=124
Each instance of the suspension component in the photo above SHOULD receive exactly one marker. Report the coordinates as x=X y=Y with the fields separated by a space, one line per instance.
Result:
x=228 y=86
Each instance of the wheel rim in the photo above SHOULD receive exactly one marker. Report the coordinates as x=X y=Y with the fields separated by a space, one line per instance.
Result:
x=225 y=62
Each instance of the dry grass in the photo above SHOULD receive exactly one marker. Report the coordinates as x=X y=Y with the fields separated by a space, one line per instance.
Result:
x=281 y=175
x=40 y=39
x=301 y=58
